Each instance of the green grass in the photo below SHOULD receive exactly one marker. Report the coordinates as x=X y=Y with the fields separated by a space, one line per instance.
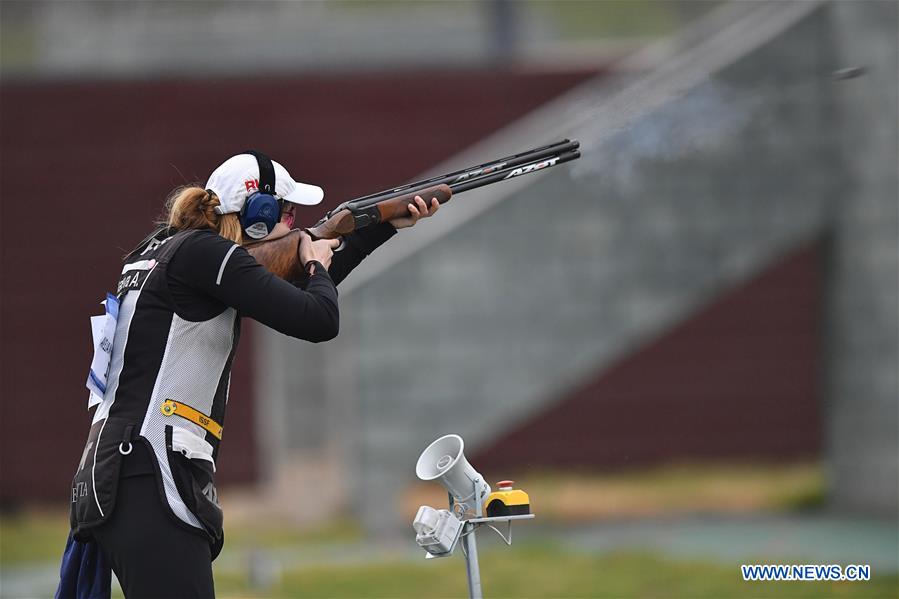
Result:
x=18 y=48
x=541 y=571
x=568 y=19
x=590 y=19
x=41 y=537
x=32 y=537
x=272 y=537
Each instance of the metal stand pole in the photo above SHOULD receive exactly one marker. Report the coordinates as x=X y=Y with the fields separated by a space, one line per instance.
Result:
x=471 y=563
x=470 y=544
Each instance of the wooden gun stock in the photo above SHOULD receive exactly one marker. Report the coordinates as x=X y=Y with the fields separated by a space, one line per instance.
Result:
x=351 y=217
x=280 y=256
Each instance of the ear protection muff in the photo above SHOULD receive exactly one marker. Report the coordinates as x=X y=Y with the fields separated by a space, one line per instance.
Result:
x=262 y=210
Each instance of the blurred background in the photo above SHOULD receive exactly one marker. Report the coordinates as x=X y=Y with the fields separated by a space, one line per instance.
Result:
x=683 y=345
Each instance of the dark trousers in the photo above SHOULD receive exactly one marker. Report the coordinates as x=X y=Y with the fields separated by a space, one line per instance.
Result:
x=152 y=556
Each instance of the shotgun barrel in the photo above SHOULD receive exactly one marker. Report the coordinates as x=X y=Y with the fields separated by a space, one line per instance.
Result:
x=375 y=208
x=466 y=174
x=515 y=171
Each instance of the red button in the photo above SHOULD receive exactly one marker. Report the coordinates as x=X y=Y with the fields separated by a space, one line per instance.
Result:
x=505 y=484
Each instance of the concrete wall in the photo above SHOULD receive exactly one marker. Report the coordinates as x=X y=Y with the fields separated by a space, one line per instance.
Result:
x=863 y=316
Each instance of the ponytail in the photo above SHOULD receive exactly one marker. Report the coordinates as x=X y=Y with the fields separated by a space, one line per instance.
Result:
x=194 y=208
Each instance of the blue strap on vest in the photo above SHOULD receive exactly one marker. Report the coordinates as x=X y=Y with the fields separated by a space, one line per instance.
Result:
x=84 y=573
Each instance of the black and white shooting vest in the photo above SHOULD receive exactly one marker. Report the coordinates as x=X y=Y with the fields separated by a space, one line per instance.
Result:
x=167 y=388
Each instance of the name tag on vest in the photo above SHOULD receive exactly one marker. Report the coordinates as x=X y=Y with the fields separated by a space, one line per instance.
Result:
x=103 y=332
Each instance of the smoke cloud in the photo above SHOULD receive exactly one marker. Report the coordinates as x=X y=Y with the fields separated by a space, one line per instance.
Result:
x=702 y=121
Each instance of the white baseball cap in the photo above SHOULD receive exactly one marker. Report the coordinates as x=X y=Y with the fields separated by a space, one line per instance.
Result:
x=238 y=177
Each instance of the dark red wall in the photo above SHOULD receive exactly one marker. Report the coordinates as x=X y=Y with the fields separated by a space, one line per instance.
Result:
x=84 y=168
x=737 y=380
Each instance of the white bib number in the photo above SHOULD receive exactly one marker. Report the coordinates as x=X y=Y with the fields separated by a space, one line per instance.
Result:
x=103 y=332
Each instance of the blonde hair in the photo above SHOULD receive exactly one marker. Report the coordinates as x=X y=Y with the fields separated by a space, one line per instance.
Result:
x=193 y=207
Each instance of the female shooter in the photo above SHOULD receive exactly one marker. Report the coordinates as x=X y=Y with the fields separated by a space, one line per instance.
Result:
x=144 y=490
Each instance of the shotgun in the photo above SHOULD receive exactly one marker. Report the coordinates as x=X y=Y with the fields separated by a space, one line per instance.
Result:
x=280 y=256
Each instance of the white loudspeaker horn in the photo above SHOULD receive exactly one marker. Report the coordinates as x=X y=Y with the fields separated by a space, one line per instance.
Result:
x=444 y=460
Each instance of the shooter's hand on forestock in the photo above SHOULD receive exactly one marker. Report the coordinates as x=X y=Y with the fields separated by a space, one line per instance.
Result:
x=417 y=210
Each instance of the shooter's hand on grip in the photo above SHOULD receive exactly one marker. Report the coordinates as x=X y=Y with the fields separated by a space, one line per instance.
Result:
x=320 y=251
